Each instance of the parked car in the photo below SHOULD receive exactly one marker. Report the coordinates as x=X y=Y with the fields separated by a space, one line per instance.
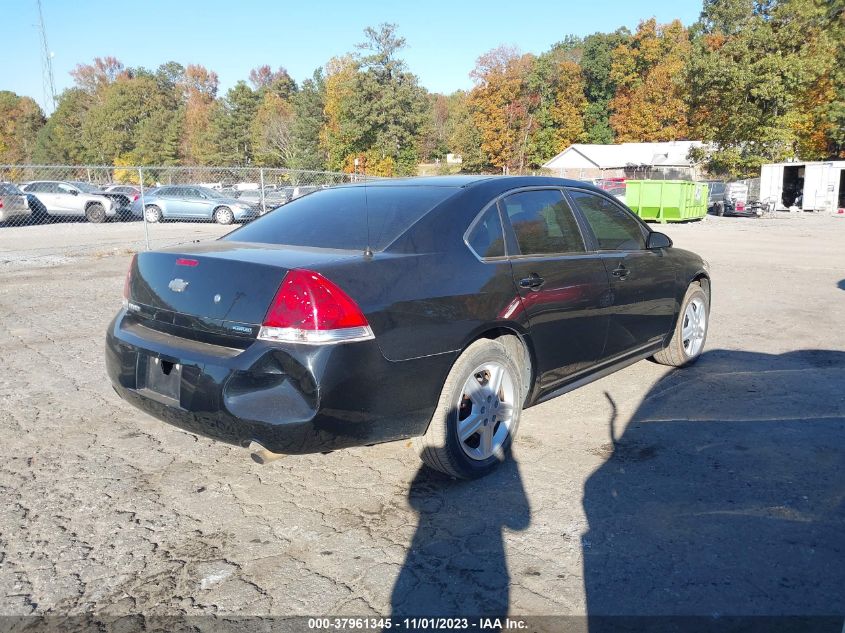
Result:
x=618 y=193
x=130 y=191
x=63 y=198
x=435 y=308
x=728 y=198
x=191 y=202
x=274 y=197
x=300 y=190
x=14 y=206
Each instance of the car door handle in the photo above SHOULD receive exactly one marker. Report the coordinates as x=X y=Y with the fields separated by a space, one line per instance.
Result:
x=532 y=282
x=621 y=272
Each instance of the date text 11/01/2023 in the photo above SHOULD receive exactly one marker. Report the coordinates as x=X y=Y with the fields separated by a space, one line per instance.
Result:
x=416 y=623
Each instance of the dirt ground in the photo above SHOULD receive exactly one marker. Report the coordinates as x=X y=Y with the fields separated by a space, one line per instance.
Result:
x=713 y=490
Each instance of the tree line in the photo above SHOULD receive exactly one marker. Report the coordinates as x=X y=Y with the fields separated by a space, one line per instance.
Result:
x=759 y=80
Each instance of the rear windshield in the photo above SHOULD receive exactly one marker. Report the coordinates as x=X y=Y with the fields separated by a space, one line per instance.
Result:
x=337 y=218
x=8 y=189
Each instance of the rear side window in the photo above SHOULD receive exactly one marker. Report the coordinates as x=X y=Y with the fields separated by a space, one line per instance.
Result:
x=614 y=228
x=338 y=218
x=543 y=223
x=486 y=238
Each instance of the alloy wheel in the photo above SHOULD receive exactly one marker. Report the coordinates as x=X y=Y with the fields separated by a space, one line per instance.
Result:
x=694 y=327
x=486 y=411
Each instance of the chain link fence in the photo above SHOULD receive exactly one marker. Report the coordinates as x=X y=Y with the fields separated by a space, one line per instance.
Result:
x=50 y=210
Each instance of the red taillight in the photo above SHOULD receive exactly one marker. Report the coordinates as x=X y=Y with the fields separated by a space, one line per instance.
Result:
x=128 y=281
x=308 y=308
x=1 y=204
x=183 y=261
x=135 y=197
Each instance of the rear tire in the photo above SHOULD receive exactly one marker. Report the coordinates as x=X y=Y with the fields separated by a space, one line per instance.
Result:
x=720 y=209
x=95 y=213
x=481 y=401
x=152 y=214
x=690 y=331
x=224 y=215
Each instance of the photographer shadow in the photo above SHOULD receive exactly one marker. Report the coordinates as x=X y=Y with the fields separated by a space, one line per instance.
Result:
x=725 y=495
x=456 y=564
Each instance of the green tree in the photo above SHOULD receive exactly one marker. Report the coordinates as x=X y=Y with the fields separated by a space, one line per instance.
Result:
x=234 y=125
x=763 y=79
x=61 y=140
x=309 y=117
x=599 y=88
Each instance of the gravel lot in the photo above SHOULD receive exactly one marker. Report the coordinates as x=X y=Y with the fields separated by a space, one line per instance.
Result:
x=718 y=489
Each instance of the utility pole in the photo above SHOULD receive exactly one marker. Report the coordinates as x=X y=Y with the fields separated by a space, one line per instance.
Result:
x=49 y=86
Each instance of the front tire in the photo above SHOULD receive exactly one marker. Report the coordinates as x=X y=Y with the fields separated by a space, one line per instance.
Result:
x=224 y=215
x=690 y=332
x=95 y=213
x=477 y=416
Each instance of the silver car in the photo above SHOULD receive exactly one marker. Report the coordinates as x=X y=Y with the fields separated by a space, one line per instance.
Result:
x=192 y=202
x=13 y=203
x=61 y=198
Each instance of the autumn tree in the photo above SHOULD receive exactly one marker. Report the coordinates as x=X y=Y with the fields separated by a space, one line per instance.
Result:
x=92 y=78
x=198 y=86
x=502 y=106
x=20 y=121
x=652 y=99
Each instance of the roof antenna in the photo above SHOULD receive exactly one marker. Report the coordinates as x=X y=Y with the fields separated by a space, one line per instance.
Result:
x=368 y=252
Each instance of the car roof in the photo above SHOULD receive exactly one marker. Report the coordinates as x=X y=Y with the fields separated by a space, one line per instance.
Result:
x=467 y=181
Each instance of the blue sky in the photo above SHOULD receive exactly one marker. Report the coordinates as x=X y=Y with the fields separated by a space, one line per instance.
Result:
x=444 y=37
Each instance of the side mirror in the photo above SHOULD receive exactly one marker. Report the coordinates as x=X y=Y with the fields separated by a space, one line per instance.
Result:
x=658 y=240
x=74 y=192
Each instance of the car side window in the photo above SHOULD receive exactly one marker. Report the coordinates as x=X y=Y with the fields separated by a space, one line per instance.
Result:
x=66 y=189
x=543 y=223
x=614 y=228
x=487 y=239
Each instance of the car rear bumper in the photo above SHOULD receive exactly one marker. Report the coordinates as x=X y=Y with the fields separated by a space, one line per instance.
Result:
x=9 y=212
x=288 y=398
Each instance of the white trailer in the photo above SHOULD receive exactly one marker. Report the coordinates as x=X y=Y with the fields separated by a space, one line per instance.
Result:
x=808 y=186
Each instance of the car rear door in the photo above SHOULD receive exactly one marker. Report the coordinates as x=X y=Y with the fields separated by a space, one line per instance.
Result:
x=46 y=193
x=642 y=281
x=175 y=203
x=563 y=288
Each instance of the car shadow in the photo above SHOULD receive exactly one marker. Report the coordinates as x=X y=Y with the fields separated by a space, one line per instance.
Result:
x=725 y=495
x=456 y=564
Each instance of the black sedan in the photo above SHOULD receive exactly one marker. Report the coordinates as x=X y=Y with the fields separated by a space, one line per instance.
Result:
x=432 y=308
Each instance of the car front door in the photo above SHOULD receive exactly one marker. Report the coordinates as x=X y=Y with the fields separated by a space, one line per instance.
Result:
x=563 y=288
x=202 y=205
x=642 y=281
x=68 y=200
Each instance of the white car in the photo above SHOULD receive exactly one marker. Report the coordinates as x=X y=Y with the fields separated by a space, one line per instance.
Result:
x=60 y=198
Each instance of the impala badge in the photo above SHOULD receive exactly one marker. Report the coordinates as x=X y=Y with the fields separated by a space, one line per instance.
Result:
x=177 y=285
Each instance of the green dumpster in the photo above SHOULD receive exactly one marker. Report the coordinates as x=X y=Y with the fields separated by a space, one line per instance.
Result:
x=667 y=200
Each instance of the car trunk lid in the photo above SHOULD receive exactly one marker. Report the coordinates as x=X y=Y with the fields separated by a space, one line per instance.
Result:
x=217 y=290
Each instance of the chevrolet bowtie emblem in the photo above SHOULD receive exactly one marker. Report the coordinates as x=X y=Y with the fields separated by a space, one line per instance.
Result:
x=177 y=285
